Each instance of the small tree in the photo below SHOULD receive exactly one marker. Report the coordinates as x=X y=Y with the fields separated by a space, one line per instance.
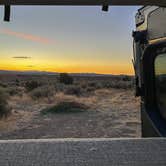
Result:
x=65 y=78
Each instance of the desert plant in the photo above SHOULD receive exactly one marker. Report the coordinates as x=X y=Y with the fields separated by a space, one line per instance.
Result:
x=90 y=89
x=73 y=90
x=126 y=78
x=13 y=91
x=59 y=87
x=92 y=84
x=65 y=78
x=17 y=82
x=66 y=107
x=84 y=85
x=42 y=91
x=30 y=85
x=118 y=84
x=3 y=85
x=4 y=107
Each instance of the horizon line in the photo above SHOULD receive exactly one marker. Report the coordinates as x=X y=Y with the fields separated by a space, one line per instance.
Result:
x=66 y=72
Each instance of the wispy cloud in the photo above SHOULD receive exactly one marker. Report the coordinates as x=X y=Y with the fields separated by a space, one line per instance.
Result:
x=21 y=57
x=30 y=66
x=26 y=36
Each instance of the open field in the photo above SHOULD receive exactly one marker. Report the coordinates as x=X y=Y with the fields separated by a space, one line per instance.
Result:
x=89 y=107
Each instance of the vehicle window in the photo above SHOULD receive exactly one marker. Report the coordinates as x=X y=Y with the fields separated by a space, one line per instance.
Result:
x=160 y=75
x=66 y=72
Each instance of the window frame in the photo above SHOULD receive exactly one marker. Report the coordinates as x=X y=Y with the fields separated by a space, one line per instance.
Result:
x=149 y=87
x=158 y=53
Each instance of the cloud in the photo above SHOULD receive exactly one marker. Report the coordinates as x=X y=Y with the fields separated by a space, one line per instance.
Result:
x=26 y=36
x=21 y=57
x=30 y=66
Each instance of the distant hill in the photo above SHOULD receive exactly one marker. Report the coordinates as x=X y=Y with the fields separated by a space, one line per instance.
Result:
x=11 y=72
x=15 y=72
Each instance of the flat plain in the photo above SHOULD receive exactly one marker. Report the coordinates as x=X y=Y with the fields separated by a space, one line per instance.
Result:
x=90 y=107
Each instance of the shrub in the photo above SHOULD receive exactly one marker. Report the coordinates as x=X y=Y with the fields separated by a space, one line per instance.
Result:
x=92 y=84
x=17 y=82
x=3 y=85
x=59 y=87
x=73 y=90
x=4 y=108
x=90 y=89
x=66 y=107
x=4 y=91
x=30 y=85
x=118 y=84
x=126 y=78
x=41 y=92
x=65 y=78
x=13 y=91
x=84 y=85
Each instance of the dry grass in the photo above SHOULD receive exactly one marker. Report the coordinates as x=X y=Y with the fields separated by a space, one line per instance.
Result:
x=108 y=112
x=66 y=107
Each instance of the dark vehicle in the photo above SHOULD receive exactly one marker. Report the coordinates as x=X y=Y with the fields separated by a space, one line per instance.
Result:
x=150 y=68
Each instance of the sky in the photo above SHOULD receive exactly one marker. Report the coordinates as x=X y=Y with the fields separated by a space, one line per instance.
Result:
x=68 y=39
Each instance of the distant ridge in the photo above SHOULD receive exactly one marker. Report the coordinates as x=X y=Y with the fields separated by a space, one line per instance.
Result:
x=29 y=72
x=15 y=72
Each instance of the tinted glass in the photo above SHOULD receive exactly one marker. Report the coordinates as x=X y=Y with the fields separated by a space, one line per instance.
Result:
x=160 y=74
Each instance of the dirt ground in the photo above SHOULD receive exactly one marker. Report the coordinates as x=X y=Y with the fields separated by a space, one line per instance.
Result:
x=111 y=113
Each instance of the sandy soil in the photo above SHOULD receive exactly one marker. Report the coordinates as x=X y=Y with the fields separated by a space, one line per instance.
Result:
x=112 y=113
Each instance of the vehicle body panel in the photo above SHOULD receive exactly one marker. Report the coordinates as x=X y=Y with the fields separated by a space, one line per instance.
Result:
x=149 y=36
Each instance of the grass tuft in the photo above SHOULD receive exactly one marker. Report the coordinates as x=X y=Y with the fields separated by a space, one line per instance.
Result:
x=66 y=107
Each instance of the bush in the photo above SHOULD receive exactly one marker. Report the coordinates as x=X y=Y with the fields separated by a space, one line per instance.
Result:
x=4 y=91
x=13 y=91
x=90 y=89
x=4 y=108
x=59 y=87
x=73 y=90
x=126 y=78
x=17 y=82
x=84 y=85
x=41 y=92
x=66 y=107
x=3 y=85
x=65 y=78
x=92 y=84
x=30 y=85
x=118 y=84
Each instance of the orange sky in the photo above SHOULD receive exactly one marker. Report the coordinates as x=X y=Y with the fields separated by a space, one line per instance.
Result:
x=114 y=69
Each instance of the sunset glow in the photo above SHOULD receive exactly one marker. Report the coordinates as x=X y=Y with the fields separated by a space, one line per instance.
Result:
x=77 y=40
